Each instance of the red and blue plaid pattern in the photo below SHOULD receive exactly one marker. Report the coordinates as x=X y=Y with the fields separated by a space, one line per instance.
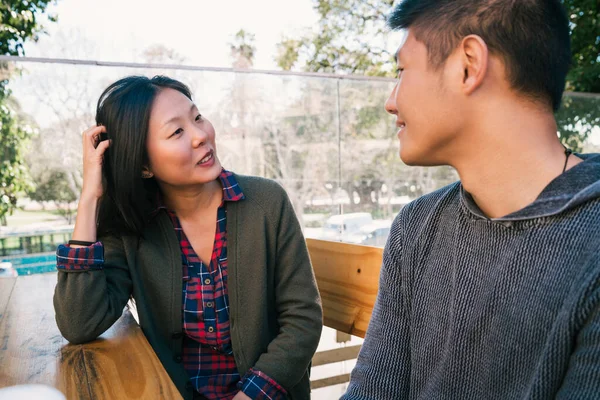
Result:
x=207 y=352
x=257 y=385
x=80 y=258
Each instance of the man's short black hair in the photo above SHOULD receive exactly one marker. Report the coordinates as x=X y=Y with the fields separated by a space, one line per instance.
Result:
x=531 y=36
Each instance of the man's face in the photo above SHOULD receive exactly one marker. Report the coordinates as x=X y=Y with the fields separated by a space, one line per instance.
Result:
x=426 y=106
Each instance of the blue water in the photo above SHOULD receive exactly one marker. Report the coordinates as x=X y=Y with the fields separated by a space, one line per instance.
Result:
x=32 y=263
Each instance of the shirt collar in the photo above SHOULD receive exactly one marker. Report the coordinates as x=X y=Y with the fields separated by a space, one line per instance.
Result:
x=231 y=189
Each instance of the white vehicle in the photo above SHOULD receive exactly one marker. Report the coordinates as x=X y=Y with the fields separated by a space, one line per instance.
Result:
x=373 y=234
x=338 y=226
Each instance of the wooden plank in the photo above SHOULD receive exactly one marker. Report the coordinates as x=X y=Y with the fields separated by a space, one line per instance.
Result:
x=334 y=380
x=335 y=355
x=127 y=365
x=348 y=277
x=32 y=349
x=6 y=287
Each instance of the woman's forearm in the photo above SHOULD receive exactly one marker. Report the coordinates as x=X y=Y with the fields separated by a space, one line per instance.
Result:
x=85 y=223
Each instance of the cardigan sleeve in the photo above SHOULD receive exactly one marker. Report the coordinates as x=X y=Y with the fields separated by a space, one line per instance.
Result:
x=90 y=298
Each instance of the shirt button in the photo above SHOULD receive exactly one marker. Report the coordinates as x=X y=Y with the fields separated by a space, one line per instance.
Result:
x=209 y=304
x=207 y=281
x=211 y=329
x=178 y=359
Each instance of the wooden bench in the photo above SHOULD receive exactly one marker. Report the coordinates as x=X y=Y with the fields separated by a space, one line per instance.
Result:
x=348 y=278
x=122 y=365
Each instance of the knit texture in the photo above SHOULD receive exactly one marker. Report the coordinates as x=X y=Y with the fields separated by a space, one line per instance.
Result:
x=473 y=308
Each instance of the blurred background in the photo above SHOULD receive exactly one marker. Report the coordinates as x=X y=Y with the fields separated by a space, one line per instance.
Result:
x=295 y=90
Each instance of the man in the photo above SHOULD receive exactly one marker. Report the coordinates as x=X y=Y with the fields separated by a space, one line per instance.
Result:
x=490 y=287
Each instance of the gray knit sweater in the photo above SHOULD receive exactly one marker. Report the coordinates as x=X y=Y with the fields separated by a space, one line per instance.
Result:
x=473 y=308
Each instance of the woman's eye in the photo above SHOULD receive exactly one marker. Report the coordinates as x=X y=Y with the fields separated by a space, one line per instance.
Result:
x=198 y=117
x=399 y=72
x=177 y=132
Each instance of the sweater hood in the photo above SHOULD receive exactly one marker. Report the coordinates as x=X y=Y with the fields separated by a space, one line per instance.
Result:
x=571 y=189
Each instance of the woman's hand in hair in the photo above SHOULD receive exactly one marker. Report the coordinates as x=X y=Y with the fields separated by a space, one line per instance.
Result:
x=87 y=209
x=93 y=155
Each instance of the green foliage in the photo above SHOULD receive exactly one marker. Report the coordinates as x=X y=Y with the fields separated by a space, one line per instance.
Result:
x=53 y=185
x=287 y=53
x=14 y=135
x=576 y=119
x=584 y=16
x=339 y=46
x=243 y=49
x=18 y=23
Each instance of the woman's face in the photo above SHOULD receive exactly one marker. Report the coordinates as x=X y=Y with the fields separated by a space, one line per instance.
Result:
x=181 y=143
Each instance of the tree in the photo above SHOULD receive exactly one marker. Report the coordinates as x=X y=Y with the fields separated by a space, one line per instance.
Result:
x=68 y=94
x=243 y=49
x=576 y=119
x=54 y=162
x=351 y=40
x=53 y=186
x=339 y=45
x=19 y=24
x=14 y=134
x=348 y=32
x=578 y=115
x=268 y=127
x=584 y=16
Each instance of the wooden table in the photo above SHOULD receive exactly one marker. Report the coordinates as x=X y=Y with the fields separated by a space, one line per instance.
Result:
x=119 y=365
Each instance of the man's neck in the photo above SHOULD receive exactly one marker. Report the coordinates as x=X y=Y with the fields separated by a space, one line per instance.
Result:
x=511 y=161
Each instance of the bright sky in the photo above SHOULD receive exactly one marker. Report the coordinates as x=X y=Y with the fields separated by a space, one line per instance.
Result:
x=199 y=30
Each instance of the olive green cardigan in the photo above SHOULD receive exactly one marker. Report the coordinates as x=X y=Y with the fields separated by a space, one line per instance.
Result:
x=275 y=315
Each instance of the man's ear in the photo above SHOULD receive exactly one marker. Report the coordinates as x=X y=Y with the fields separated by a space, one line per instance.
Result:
x=474 y=57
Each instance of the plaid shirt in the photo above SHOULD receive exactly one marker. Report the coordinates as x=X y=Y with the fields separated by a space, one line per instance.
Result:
x=207 y=351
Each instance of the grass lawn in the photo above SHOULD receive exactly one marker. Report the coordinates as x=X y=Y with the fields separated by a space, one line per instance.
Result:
x=22 y=218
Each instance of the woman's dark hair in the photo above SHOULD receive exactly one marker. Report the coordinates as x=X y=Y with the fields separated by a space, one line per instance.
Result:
x=124 y=109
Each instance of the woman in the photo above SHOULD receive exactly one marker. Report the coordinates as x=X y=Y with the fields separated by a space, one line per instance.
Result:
x=215 y=261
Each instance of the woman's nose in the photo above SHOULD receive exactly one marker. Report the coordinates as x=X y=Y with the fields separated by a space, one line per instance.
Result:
x=199 y=137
